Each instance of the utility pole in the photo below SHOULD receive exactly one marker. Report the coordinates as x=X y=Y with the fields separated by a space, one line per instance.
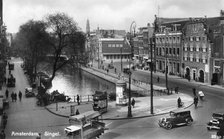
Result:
x=166 y=51
x=130 y=57
x=121 y=60
x=151 y=46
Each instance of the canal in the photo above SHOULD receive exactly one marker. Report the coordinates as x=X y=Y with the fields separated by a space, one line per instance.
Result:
x=73 y=82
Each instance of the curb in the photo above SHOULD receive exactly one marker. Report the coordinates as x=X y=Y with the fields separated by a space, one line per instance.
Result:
x=123 y=118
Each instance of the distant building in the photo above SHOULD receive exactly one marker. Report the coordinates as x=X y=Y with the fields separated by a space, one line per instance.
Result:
x=114 y=49
x=107 y=46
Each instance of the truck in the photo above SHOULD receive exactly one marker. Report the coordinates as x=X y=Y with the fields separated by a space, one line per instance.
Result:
x=85 y=126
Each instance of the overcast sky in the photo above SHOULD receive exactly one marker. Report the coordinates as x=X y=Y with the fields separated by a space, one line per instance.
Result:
x=107 y=14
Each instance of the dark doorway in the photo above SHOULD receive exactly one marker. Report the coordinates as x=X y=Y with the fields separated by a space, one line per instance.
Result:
x=187 y=75
x=201 y=77
x=214 y=78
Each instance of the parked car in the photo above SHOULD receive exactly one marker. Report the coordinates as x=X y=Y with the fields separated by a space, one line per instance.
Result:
x=176 y=119
x=214 y=123
x=29 y=92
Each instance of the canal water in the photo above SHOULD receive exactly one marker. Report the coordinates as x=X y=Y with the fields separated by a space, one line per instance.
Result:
x=79 y=82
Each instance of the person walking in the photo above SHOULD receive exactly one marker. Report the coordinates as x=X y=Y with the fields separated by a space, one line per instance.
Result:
x=196 y=101
x=20 y=95
x=179 y=103
x=77 y=112
x=133 y=102
x=12 y=96
x=15 y=97
x=2 y=135
x=6 y=93
x=158 y=79
x=77 y=98
x=194 y=92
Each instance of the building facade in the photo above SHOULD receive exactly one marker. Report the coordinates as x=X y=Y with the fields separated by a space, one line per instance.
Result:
x=114 y=49
x=168 y=53
x=196 y=51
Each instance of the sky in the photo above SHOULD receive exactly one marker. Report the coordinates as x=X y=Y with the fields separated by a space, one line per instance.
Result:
x=107 y=14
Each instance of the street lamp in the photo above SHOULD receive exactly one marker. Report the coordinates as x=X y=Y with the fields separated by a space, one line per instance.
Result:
x=151 y=65
x=166 y=51
x=121 y=60
x=129 y=96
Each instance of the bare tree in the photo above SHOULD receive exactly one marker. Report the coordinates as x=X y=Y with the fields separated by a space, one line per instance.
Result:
x=62 y=30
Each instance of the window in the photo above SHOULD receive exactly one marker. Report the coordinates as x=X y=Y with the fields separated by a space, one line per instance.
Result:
x=113 y=45
x=174 y=51
x=170 y=50
x=197 y=59
x=109 y=45
x=166 y=50
x=117 y=45
x=197 y=39
x=121 y=45
x=178 y=39
x=178 y=51
x=191 y=39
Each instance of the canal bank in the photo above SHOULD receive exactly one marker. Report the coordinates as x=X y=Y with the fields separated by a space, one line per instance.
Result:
x=139 y=87
x=162 y=103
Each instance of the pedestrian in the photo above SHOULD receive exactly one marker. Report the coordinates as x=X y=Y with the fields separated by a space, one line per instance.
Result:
x=77 y=112
x=158 y=79
x=2 y=135
x=15 y=97
x=115 y=70
x=196 y=101
x=176 y=90
x=12 y=96
x=77 y=98
x=107 y=71
x=133 y=102
x=179 y=103
x=6 y=93
x=20 y=95
x=194 y=92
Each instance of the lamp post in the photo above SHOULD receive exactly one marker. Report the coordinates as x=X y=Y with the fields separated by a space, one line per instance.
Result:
x=151 y=65
x=129 y=96
x=166 y=51
x=121 y=60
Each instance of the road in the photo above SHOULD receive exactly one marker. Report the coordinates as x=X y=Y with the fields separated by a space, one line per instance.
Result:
x=26 y=117
x=146 y=128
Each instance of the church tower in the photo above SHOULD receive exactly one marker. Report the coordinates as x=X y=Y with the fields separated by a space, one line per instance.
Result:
x=87 y=27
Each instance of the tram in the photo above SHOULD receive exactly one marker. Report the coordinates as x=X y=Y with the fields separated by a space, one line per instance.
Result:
x=100 y=102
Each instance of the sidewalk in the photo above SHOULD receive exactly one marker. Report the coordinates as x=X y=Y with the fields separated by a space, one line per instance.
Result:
x=162 y=104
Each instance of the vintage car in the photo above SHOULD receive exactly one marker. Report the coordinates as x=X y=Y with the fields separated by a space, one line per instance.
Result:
x=213 y=124
x=176 y=119
x=29 y=92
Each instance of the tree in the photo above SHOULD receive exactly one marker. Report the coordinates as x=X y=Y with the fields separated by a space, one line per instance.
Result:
x=32 y=42
x=65 y=35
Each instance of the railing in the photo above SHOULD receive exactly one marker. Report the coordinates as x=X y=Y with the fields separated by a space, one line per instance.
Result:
x=82 y=98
